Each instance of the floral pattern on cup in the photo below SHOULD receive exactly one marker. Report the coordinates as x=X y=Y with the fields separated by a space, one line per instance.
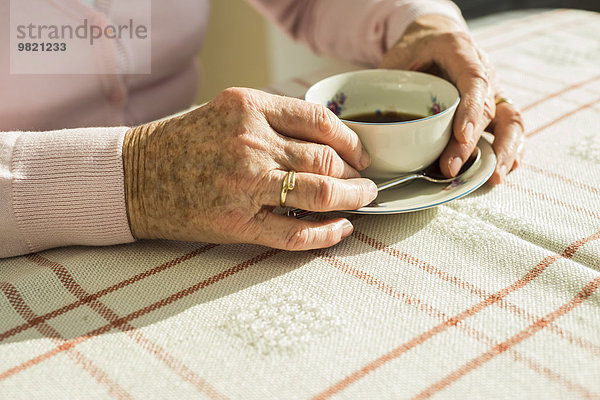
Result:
x=436 y=107
x=336 y=104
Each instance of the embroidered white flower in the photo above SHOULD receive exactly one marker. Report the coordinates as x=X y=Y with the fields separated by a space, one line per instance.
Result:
x=588 y=148
x=282 y=321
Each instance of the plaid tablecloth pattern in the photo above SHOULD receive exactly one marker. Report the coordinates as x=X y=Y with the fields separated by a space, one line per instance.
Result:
x=491 y=296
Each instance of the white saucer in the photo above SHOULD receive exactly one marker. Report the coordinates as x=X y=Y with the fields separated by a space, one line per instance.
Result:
x=420 y=194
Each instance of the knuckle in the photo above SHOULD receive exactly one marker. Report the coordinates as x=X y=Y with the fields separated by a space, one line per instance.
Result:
x=325 y=120
x=515 y=118
x=325 y=196
x=509 y=150
x=510 y=116
x=483 y=56
x=298 y=238
x=489 y=109
x=480 y=75
x=360 y=199
x=475 y=75
x=326 y=163
x=239 y=98
x=476 y=80
x=231 y=94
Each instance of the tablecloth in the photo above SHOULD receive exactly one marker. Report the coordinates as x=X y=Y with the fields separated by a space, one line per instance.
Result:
x=494 y=295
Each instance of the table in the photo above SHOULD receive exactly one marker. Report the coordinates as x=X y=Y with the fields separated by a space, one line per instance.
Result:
x=494 y=295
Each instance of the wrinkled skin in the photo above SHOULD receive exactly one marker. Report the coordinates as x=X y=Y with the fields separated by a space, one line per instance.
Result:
x=215 y=173
x=439 y=45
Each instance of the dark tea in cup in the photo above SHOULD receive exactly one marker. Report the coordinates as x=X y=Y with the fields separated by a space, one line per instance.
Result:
x=382 y=117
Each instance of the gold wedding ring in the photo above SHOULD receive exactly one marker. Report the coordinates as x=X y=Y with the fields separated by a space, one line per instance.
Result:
x=289 y=183
x=500 y=100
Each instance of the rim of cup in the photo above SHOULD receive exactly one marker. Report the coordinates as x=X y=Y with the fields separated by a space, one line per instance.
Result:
x=443 y=81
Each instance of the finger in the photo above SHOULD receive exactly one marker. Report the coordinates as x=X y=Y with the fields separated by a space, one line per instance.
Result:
x=520 y=152
x=315 y=158
x=320 y=193
x=458 y=151
x=459 y=57
x=475 y=109
x=294 y=234
x=456 y=154
x=316 y=123
x=509 y=141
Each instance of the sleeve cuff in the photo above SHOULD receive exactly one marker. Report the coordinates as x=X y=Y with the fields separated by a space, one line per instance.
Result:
x=68 y=188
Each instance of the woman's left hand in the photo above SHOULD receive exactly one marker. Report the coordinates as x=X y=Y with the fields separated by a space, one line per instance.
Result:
x=439 y=45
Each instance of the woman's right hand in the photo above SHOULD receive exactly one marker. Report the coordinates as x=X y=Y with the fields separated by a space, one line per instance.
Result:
x=215 y=174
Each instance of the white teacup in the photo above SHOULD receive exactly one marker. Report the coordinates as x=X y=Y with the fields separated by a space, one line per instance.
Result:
x=395 y=147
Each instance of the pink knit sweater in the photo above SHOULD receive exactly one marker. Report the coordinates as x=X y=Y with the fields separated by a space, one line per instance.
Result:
x=62 y=183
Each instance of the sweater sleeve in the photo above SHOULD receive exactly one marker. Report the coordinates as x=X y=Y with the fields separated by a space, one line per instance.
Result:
x=61 y=188
x=359 y=31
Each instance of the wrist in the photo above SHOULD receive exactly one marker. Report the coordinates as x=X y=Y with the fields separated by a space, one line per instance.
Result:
x=134 y=143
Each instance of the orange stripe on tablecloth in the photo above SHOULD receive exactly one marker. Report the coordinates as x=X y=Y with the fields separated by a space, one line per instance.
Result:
x=102 y=377
x=553 y=376
x=533 y=74
x=109 y=315
x=143 y=311
x=423 y=337
x=520 y=21
x=519 y=85
x=103 y=292
x=562 y=117
x=540 y=32
x=378 y=284
x=20 y=306
x=526 y=333
x=436 y=313
x=377 y=245
x=550 y=199
x=503 y=303
x=42 y=357
x=577 y=184
x=178 y=366
x=561 y=92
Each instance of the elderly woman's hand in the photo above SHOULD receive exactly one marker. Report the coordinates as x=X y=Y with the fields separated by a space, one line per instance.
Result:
x=215 y=174
x=439 y=45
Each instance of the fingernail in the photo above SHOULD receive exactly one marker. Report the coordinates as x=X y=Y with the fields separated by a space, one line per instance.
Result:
x=454 y=165
x=365 y=160
x=468 y=132
x=347 y=228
